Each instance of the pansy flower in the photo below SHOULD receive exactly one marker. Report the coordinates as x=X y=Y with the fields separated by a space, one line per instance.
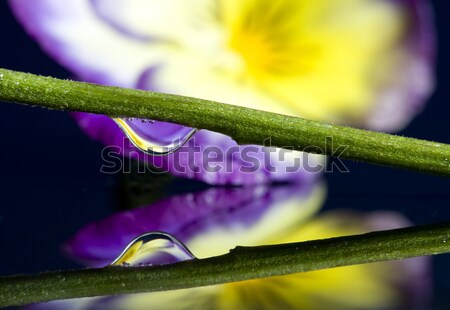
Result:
x=216 y=220
x=358 y=62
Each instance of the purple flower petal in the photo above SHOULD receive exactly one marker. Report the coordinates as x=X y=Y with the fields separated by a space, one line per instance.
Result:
x=210 y=157
x=405 y=93
x=195 y=214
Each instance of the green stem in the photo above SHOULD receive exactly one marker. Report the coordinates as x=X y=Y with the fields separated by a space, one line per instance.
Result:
x=246 y=126
x=242 y=263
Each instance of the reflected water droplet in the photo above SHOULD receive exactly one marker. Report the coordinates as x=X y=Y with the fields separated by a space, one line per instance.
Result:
x=141 y=133
x=154 y=248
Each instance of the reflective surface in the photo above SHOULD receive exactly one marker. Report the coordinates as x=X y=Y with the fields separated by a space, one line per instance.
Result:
x=51 y=185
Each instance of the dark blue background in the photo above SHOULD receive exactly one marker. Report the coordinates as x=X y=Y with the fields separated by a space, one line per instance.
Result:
x=51 y=184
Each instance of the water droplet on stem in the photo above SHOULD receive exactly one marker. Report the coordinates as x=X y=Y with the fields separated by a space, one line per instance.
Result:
x=154 y=248
x=141 y=133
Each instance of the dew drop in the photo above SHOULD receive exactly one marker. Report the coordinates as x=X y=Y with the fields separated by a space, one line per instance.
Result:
x=1 y=76
x=154 y=248
x=141 y=133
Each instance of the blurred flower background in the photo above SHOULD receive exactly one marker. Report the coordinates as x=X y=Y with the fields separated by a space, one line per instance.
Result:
x=365 y=63
x=325 y=61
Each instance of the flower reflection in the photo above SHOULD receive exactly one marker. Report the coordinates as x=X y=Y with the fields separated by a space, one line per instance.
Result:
x=358 y=62
x=226 y=216
x=214 y=221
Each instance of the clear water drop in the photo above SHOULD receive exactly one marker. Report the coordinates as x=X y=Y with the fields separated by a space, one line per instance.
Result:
x=144 y=135
x=154 y=248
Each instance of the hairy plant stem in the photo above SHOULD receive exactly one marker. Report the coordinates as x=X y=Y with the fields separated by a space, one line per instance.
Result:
x=246 y=126
x=242 y=263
